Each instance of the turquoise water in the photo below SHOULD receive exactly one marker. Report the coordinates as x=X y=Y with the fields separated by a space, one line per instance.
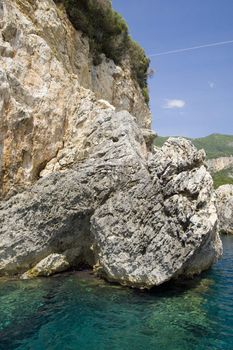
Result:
x=79 y=312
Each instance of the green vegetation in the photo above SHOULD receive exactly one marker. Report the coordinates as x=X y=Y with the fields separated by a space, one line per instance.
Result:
x=160 y=140
x=215 y=145
x=108 y=33
x=223 y=177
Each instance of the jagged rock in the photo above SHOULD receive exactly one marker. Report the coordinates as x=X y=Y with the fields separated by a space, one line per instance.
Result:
x=141 y=218
x=224 y=203
x=43 y=63
x=80 y=179
x=50 y=265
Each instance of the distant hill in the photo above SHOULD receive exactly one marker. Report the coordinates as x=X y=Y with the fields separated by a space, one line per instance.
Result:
x=215 y=146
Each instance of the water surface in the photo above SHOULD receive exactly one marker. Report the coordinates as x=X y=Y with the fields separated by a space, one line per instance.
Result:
x=77 y=311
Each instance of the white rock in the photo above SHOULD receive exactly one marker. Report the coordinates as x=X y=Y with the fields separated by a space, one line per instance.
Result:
x=220 y=163
x=106 y=199
x=140 y=219
x=43 y=64
x=224 y=203
x=52 y=264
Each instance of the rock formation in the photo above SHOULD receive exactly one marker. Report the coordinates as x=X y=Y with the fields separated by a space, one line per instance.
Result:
x=224 y=203
x=53 y=263
x=221 y=163
x=43 y=63
x=80 y=180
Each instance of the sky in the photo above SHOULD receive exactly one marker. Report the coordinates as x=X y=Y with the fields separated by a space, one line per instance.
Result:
x=191 y=92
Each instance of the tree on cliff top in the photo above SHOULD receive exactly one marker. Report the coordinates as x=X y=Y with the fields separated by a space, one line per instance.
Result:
x=108 y=33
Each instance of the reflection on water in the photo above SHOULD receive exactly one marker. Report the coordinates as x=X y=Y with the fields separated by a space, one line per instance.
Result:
x=80 y=312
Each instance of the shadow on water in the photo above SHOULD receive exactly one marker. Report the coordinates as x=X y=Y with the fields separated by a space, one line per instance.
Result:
x=31 y=320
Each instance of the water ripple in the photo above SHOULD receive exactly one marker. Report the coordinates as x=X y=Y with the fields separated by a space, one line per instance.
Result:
x=79 y=312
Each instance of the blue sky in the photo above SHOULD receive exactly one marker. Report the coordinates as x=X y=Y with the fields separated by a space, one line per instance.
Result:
x=191 y=92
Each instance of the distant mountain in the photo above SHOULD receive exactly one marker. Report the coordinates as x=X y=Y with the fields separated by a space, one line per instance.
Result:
x=216 y=146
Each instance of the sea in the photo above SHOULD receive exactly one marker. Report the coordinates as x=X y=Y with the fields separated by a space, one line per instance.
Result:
x=77 y=311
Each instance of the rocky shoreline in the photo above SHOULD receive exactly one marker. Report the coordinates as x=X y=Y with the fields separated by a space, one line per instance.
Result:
x=81 y=182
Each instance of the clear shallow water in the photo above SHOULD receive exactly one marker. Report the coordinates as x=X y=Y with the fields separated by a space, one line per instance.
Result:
x=75 y=312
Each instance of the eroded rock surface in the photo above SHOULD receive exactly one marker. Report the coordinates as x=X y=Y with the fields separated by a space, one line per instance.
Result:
x=43 y=63
x=224 y=203
x=50 y=265
x=80 y=180
x=139 y=218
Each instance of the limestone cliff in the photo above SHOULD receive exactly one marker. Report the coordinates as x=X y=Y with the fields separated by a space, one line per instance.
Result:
x=221 y=163
x=80 y=180
x=43 y=64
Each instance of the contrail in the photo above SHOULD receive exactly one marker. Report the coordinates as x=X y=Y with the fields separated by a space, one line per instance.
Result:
x=192 y=48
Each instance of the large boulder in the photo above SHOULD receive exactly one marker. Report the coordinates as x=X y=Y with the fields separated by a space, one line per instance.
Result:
x=224 y=203
x=138 y=218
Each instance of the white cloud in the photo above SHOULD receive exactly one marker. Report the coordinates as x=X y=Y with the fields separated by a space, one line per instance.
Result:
x=173 y=104
x=211 y=84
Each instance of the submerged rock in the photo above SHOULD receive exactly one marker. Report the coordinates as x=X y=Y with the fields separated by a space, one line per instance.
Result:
x=224 y=203
x=80 y=180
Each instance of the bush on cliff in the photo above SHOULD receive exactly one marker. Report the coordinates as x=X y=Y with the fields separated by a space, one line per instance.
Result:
x=108 y=33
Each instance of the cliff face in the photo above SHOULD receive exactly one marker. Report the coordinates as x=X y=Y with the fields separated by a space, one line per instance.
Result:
x=224 y=203
x=93 y=189
x=43 y=65
x=219 y=164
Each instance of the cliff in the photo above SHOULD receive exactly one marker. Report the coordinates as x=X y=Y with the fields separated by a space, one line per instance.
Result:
x=224 y=203
x=44 y=63
x=217 y=164
x=81 y=182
